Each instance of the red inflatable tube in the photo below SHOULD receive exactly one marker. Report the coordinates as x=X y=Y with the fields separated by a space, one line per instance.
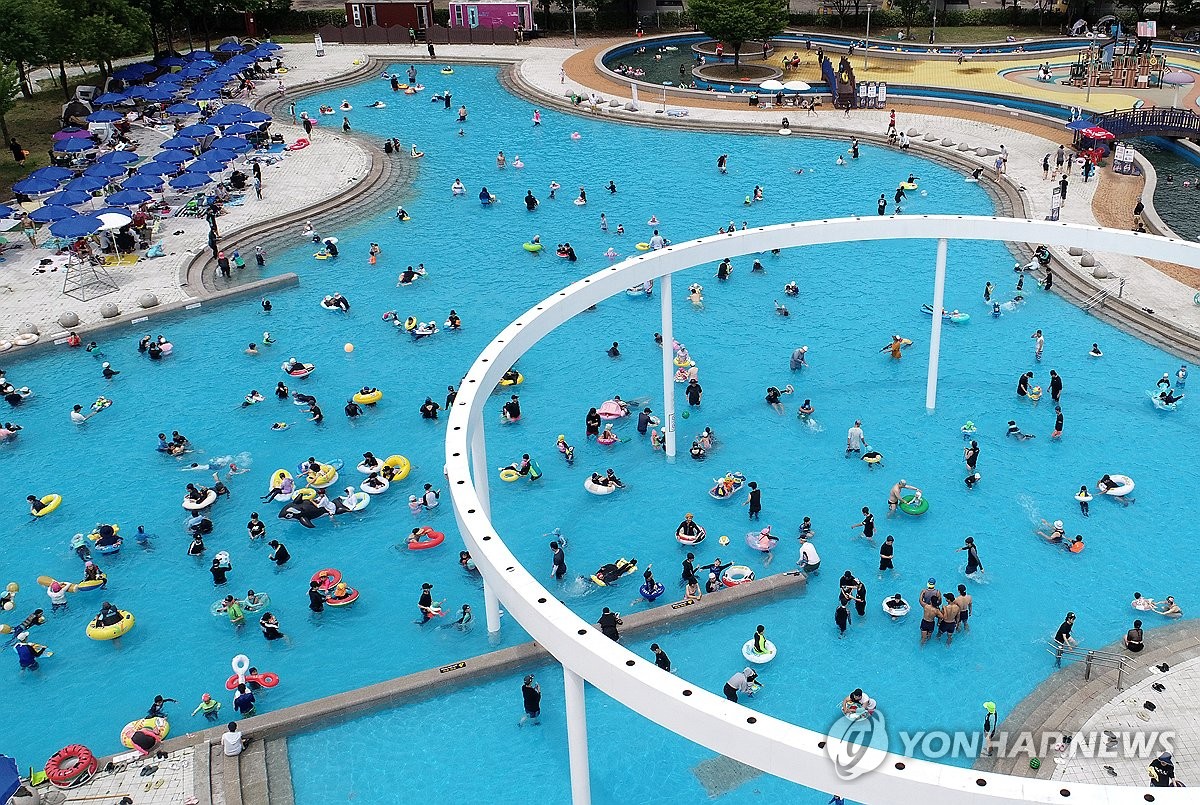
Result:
x=71 y=766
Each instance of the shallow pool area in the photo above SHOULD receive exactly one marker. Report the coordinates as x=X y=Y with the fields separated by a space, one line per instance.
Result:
x=851 y=300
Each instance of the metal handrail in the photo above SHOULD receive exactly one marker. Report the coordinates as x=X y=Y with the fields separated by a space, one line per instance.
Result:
x=1092 y=657
x=1099 y=296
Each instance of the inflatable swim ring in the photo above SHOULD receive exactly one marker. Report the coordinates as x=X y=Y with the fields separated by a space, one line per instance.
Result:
x=520 y=379
x=753 y=656
x=642 y=247
x=532 y=248
x=368 y=399
x=159 y=726
x=736 y=574
x=111 y=632
x=611 y=409
x=357 y=501
x=907 y=505
x=1126 y=485
x=651 y=593
x=278 y=477
x=210 y=497
x=598 y=489
x=447 y=71
x=1142 y=604
x=326 y=475
x=52 y=502
x=300 y=144
x=71 y=766
x=426 y=538
x=909 y=185
x=341 y=595
x=895 y=613
x=1159 y=403
x=605 y=441
x=304 y=370
x=401 y=465
x=508 y=475
x=25 y=339
x=686 y=540
x=372 y=490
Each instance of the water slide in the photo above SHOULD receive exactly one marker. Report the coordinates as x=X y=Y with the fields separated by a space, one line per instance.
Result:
x=830 y=78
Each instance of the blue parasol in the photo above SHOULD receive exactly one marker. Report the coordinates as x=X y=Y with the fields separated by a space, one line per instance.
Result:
x=35 y=185
x=68 y=197
x=196 y=130
x=183 y=109
x=10 y=778
x=52 y=212
x=240 y=128
x=51 y=172
x=78 y=227
x=188 y=181
x=229 y=47
x=111 y=98
x=117 y=158
x=85 y=184
x=174 y=156
x=184 y=143
x=142 y=181
x=74 y=145
x=105 y=170
x=104 y=116
x=129 y=196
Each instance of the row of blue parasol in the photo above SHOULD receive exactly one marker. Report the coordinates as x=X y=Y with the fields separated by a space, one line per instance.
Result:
x=67 y=190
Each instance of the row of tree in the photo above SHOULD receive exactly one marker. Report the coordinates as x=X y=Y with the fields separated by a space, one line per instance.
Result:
x=56 y=33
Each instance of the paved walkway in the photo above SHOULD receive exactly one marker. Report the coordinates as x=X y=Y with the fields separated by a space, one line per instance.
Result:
x=302 y=178
x=172 y=782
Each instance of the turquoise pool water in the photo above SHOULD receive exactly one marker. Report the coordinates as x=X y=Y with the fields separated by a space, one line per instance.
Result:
x=1178 y=180
x=851 y=300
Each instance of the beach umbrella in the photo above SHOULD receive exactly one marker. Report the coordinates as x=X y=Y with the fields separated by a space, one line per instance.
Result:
x=137 y=92
x=35 y=185
x=143 y=68
x=218 y=154
x=7 y=212
x=771 y=85
x=10 y=779
x=104 y=116
x=236 y=144
x=1097 y=133
x=240 y=128
x=194 y=70
x=117 y=158
x=199 y=55
x=169 y=80
x=189 y=181
x=1177 y=79
x=68 y=197
x=52 y=212
x=105 y=170
x=154 y=168
x=204 y=94
x=183 y=143
x=161 y=93
x=51 y=172
x=110 y=98
x=127 y=73
x=171 y=61
x=70 y=133
x=174 y=156
x=100 y=213
x=196 y=130
x=128 y=196
x=74 y=146
x=78 y=227
x=235 y=108
x=85 y=184
x=254 y=116
x=796 y=86
x=142 y=181
x=270 y=46
x=183 y=109
x=229 y=47
x=110 y=221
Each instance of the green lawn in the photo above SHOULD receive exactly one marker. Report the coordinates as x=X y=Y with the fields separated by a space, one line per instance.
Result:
x=972 y=34
x=32 y=122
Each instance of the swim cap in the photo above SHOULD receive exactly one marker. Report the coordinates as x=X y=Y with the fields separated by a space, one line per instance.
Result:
x=206 y=698
x=990 y=707
x=55 y=587
x=22 y=637
x=106 y=364
x=932 y=582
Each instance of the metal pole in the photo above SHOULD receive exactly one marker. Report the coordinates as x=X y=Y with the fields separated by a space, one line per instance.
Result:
x=574 y=29
x=577 y=743
x=668 y=366
x=1091 y=61
x=935 y=334
x=479 y=474
x=867 y=44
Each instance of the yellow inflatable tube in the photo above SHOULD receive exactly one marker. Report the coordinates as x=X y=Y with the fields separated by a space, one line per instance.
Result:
x=368 y=399
x=52 y=502
x=95 y=535
x=401 y=464
x=111 y=632
x=159 y=726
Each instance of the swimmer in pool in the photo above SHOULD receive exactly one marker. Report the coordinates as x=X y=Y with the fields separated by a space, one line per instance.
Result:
x=791 y=289
x=781 y=310
x=894 y=496
x=1016 y=433
x=806 y=410
x=1052 y=533
x=896 y=348
x=1169 y=608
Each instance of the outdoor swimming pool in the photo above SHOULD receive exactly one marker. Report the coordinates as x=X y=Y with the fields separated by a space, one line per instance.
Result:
x=1173 y=201
x=478 y=268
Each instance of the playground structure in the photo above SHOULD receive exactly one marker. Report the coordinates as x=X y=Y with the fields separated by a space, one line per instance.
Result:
x=842 y=86
x=1128 y=65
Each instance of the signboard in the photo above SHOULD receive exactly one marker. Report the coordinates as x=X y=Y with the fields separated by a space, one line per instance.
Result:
x=1055 y=204
x=458 y=666
x=1147 y=29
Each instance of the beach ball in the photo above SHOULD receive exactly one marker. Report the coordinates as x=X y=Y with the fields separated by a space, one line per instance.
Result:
x=1034 y=763
x=13 y=587
x=724 y=540
x=349 y=348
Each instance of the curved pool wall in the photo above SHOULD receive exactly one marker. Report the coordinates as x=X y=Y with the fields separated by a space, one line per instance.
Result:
x=487 y=266
x=1175 y=164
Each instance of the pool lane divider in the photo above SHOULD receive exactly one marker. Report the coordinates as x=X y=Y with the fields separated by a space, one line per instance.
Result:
x=331 y=710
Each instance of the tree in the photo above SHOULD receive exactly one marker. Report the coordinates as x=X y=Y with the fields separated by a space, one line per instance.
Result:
x=840 y=7
x=909 y=9
x=10 y=90
x=735 y=21
x=23 y=37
